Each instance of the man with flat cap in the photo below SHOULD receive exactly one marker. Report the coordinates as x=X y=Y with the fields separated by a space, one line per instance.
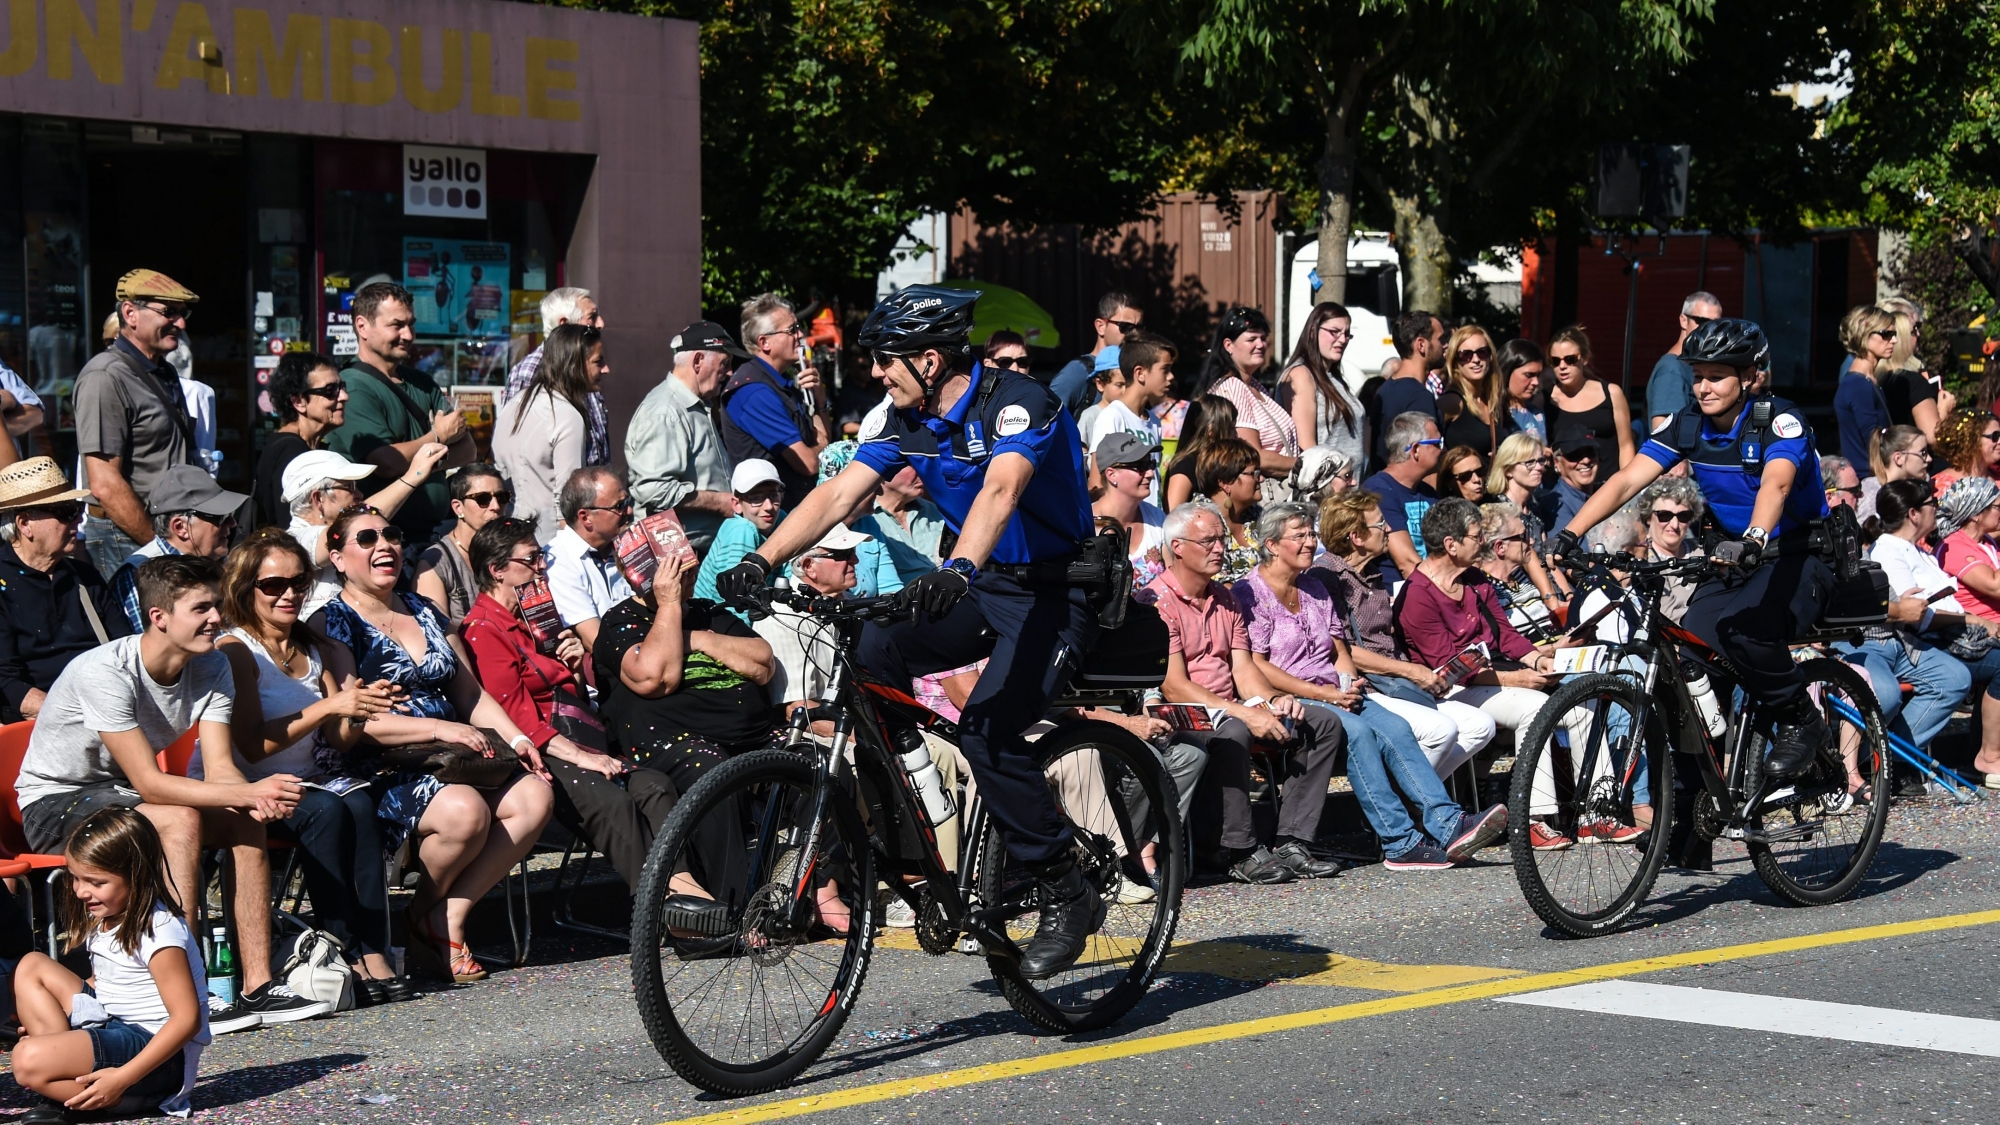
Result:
x=192 y=515
x=132 y=423
x=673 y=447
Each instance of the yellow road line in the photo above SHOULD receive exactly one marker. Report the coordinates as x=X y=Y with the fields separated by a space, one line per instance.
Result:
x=1195 y=1037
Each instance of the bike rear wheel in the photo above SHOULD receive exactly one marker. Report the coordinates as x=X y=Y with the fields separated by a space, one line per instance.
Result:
x=1114 y=789
x=746 y=1004
x=1580 y=870
x=1810 y=841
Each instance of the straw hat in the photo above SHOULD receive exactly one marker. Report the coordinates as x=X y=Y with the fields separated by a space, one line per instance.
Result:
x=38 y=480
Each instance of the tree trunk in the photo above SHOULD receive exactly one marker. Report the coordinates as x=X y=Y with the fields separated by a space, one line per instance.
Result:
x=1426 y=261
x=1336 y=209
x=1420 y=197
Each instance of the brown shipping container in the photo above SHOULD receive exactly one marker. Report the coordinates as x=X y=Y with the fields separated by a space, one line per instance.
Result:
x=1186 y=263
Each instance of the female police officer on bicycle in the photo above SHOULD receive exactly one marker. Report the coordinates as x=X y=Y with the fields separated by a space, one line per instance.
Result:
x=1000 y=456
x=1753 y=457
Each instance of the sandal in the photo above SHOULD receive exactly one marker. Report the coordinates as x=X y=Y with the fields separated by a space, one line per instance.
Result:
x=447 y=959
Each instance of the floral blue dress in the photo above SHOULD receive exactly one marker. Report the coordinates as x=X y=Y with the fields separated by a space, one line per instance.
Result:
x=378 y=656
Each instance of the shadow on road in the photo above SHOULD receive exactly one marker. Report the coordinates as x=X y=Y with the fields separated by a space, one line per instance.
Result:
x=253 y=1082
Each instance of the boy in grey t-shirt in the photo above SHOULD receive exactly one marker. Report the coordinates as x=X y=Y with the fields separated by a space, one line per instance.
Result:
x=95 y=745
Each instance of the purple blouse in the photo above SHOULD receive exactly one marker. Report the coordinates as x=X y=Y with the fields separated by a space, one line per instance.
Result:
x=1300 y=644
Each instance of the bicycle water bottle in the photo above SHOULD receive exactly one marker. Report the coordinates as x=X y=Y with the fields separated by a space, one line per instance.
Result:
x=915 y=755
x=1706 y=705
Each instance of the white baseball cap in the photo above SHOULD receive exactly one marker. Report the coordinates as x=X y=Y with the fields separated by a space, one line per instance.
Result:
x=315 y=465
x=751 y=473
x=840 y=537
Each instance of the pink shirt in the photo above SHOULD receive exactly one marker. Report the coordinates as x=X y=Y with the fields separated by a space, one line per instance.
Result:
x=1256 y=410
x=1956 y=554
x=1204 y=629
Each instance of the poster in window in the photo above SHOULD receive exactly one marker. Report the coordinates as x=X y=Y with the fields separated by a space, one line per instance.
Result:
x=460 y=288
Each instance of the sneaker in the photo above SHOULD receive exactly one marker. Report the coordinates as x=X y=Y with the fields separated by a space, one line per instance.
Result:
x=1542 y=838
x=1604 y=830
x=1306 y=865
x=225 y=1018
x=898 y=915
x=1263 y=868
x=1475 y=832
x=1134 y=894
x=1423 y=857
x=275 y=1002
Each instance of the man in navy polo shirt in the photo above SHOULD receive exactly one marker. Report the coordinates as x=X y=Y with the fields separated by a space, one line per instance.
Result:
x=767 y=415
x=1000 y=457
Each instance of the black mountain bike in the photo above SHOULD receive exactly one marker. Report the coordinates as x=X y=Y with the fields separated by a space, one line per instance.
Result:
x=1594 y=781
x=741 y=999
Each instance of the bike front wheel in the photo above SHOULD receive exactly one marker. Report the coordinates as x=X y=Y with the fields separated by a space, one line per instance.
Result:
x=1591 y=806
x=740 y=999
x=1811 y=838
x=1113 y=788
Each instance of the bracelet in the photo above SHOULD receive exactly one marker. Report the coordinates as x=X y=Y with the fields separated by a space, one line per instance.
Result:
x=1255 y=701
x=518 y=739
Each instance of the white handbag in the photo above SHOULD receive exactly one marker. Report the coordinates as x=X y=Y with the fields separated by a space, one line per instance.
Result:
x=317 y=971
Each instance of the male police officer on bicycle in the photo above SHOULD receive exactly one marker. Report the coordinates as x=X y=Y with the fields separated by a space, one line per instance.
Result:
x=1754 y=460
x=1002 y=459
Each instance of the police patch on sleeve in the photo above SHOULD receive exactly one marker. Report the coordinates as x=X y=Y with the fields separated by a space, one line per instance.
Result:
x=1787 y=426
x=875 y=421
x=1664 y=421
x=1012 y=420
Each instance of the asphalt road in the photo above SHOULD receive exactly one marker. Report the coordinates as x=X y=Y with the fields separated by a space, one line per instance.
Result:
x=1372 y=998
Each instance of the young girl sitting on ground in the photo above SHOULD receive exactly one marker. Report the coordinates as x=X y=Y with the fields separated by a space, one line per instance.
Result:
x=141 y=1030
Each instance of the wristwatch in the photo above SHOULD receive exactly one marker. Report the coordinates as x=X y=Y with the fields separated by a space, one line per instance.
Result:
x=1756 y=534
x=961 y=567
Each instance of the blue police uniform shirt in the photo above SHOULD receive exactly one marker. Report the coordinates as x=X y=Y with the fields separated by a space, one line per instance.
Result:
x=1020 y=416
x=756 y=409
x=1716 y=464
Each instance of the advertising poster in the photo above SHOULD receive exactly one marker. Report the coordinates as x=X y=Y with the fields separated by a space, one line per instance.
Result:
x=460 y=288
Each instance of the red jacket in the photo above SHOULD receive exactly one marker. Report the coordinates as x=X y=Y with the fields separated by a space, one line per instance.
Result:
x=512 y=671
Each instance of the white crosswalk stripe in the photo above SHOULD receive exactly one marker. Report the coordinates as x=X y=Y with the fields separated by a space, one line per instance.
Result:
x=1852 y=1023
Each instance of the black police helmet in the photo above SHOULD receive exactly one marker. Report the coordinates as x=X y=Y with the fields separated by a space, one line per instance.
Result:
x=918 y=318
x=1728 y=340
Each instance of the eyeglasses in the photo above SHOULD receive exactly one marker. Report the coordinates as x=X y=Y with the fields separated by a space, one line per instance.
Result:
x=1665 y=516
x=219 y=521
x=1427 y=441
x=66 y=512
x=796 y=329
x=1517 y=537
x=1140 y=467
x=1124 y=325
x=167 y=312
x=482 y=499
x=1302 y=535
x=1212 y=543
x=1853 y=491
x=1467 y=355
x=1378 y=525
x=275 y=586
x=1566 y=360
x=1468 y=476
x=1336 y=333
x=1924 y=453
x=535 y=561
x=331 y=392
x=1010 y=362
x=1698 y=320
x=623 y=507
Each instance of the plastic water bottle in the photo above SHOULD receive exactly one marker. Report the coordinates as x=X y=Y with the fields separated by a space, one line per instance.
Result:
x=916 y=757
x=221 y=966
x=1706 y=705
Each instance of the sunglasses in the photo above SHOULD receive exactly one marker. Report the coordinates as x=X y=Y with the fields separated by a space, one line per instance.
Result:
x=1991 y=436
x=67 y=512
x=276 y=587
x=1124 y=325
x=367 y=537
x=846 y=555
x=1140 y=467
x=1698 y=320
x=1581 y=459
x=1885 y=333
x=1663 y=516
x=482 y=499
x=168 y=312
x=1467 y=355
x=1566 y=360
x=532 y=562
x=331 y=392
x=623 y=507
x=1467 y=477
x=1009 y=362
x=1427 y=441
x=1517 y=537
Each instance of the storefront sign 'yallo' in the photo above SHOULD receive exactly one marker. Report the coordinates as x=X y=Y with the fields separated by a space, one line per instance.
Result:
x=476 y=62
x=450 y=182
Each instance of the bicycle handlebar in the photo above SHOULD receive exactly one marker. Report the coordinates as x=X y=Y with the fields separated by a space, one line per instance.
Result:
x=883 y=609
x=1695 y=566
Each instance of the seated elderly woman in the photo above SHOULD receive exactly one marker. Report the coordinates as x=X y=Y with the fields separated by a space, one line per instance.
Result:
x=1355 y=536
x=463 y=840
x=1669 y=509
x=1505 y=560
x=1296 y=642
x=1446 y=607
x=617 y=807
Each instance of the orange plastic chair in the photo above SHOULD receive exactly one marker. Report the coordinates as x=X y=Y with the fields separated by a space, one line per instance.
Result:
x=175 y=759
x=14 y=838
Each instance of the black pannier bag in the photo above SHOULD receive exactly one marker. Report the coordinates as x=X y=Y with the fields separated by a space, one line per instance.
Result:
x=1854 y=604
x=1132 y=657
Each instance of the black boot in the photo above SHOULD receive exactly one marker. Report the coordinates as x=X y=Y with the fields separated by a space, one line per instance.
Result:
x=1071 y=911
x=1795 y=743
x=47 y=1111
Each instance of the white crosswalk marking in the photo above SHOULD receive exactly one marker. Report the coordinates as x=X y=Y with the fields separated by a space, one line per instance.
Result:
x=1853 y=1023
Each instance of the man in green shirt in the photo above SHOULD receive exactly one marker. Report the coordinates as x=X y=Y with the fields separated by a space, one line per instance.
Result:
x=393 y=410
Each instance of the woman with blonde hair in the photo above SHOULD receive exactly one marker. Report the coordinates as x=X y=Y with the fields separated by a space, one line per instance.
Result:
x=1582 y=405
x=1869 y=335
x=1474 y=403
x=1899 y=453
x=1916 y=397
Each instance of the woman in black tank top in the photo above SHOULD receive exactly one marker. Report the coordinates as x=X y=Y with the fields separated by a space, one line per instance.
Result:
x=1580 y=403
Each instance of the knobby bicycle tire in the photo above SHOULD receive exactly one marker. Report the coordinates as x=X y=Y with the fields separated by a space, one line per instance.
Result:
x=1624 y=891
x=1836 y=880
x=785 y=781
x=1125 y=954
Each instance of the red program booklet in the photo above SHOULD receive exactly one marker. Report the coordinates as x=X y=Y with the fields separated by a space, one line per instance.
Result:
x=1182 y=716
x=1465 y=665
x=651 y=541
x=538 y=609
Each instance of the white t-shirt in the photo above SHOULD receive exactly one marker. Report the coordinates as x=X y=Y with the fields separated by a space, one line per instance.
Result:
x=1117 y=418
x=802 y=659
x=1910 y=567
x=109 y=689
x=126 y=989
x=279 y=694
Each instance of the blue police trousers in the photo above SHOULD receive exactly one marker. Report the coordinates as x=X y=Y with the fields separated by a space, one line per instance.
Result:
x=1753 y=620
x=1032 y=639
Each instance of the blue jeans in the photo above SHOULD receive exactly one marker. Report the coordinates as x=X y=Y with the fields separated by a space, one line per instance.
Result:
x=1380 y=747
x=1986 y=672
x=1941 y=681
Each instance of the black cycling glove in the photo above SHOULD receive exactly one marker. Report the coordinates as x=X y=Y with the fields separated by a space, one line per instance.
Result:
x=933 y=594
x=1568 y=548
x=1745 y=553
x=744 y=577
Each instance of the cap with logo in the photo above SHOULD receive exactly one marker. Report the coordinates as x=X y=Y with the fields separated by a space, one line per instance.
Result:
x=189 y=488
x=1124 y=448
x=36 y=481
x=706 y=336
x=315 y=465
x=152 y=285
x=750 y=473
x=839 y=537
